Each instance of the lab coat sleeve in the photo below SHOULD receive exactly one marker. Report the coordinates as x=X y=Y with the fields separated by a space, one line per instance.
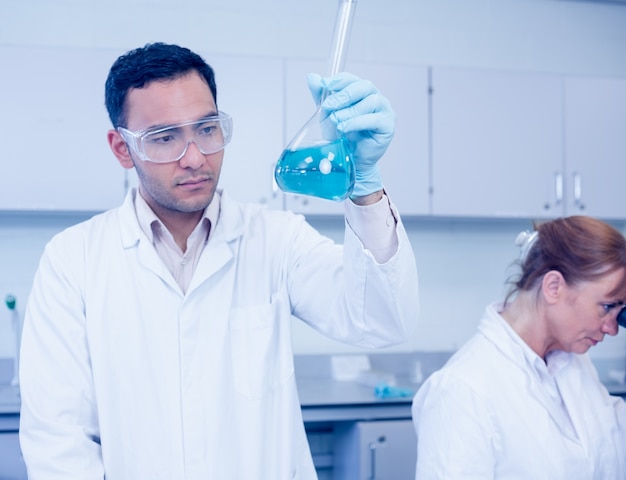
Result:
x=375 y=226
x=346 y=294
x=58 y=428
x=620 y=413
x=454 y=431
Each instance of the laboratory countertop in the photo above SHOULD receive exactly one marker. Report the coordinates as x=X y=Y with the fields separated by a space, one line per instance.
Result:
x=323 y=398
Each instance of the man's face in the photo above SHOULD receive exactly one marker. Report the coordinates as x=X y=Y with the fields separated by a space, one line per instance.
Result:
x=186 y=185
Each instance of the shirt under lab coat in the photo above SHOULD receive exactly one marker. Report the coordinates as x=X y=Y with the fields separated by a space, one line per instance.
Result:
x=497 y=411
x=124 y=376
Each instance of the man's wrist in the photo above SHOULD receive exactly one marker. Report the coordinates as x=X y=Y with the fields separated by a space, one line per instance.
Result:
x=370 y=199
x=367 y=181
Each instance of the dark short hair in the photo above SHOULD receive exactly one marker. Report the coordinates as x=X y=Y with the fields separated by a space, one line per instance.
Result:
x=581 y=248
x=152 y=62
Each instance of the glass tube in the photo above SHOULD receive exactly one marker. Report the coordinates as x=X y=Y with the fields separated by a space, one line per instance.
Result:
x=318 y=162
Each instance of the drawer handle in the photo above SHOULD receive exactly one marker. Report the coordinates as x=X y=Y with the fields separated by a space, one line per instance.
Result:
x=373 y=446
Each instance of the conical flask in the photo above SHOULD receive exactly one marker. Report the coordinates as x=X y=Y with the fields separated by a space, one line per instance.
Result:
x=318 y=161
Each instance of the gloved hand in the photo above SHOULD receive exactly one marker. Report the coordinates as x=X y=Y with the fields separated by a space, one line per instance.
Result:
x=356 y=108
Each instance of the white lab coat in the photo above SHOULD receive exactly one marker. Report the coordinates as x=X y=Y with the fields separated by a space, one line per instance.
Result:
x=124 y=376
x=485 y=415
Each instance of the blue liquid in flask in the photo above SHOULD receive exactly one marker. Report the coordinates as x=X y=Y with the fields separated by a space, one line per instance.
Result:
x=324 y=170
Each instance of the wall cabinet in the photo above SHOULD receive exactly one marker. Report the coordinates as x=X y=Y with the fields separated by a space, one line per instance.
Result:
x=595 y=146
x=55 y=151
x=404 y=167
x=497 y=144
x=530 y=146
x=468 y=142
x=56 y=156
x=375 y=450
x=250 y=89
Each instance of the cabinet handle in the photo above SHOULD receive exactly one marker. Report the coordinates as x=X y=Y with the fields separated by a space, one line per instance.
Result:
x=558 y=188
x=373 y=446
x=578 y=191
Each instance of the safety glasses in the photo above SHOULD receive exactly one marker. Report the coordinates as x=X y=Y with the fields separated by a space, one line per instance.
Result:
x=621 y=316
x=170 y=143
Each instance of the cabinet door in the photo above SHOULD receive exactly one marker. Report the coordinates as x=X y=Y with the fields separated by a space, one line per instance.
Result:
x=497 y=144
x=251 y=91
x=404 y=167
x=54 y=124
x=12 y=465
x=377 y=450
x=595 y=122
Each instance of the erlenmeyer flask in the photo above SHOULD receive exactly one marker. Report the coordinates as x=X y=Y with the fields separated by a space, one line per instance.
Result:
x=317 y=161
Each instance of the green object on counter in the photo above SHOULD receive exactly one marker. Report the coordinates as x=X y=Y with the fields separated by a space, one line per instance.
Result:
x=10 y=301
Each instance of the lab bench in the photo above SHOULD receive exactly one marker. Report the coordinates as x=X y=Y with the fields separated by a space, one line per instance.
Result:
x=340 y=428
x=353 y=433
x=11 y=464
x=350 y=430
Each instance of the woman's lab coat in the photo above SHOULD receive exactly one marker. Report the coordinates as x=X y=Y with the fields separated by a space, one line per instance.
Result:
x=486 y=415
x=123 y=375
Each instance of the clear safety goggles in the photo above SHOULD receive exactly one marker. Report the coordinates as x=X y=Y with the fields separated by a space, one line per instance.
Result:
x=169 y=144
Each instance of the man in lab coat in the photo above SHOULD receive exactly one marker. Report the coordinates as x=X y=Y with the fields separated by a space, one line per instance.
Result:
x=157 y=340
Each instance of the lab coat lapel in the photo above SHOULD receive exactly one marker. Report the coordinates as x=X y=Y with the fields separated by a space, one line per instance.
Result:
x=215 y=256
x=219 y=251
x=580 y=388
x=149 y=258
x=134 y=239
x=559 y=416
x=500 y=334
x=573 y=389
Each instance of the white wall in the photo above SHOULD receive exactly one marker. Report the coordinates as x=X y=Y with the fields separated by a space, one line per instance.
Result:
x=537 y=35
x=463 y=264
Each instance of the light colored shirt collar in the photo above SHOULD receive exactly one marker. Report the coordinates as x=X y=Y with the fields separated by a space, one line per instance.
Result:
x=180 y=264
x=147 y=218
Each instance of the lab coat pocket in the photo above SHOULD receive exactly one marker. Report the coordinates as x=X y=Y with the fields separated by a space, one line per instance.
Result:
x=260 y=340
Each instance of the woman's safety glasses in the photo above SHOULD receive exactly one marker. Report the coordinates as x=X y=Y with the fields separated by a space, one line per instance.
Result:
x=170 y=143
x=621 y=312
x=621 y=316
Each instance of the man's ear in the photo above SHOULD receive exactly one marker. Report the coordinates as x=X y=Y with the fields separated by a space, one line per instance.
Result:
x=120 y=149
x=552 y=286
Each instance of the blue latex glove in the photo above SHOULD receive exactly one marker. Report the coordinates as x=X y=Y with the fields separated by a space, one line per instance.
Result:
x=356 y=108
x=382 y=390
